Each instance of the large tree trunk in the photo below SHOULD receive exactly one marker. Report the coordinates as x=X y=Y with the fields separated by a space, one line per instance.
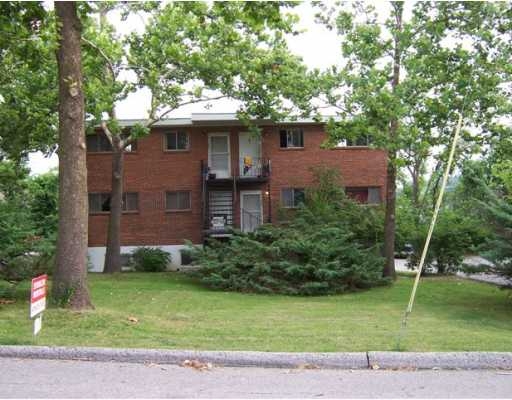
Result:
x=70 y=277
x=390 y=220
x=113 y=253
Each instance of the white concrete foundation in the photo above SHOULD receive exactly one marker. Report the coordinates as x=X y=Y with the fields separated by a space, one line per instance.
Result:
x=97 y=255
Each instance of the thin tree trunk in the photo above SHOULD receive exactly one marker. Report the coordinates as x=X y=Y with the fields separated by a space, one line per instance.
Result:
x=390 y=220
x=70 y=277
x=415 y=188
x=113 y=253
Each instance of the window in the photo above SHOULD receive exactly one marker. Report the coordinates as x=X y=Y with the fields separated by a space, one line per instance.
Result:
x=291 y=138
x=100 y=202
x=362 y=141
x=177 y=201
x=130 y=201
x=99 y=143
x=175 y=141
x=365 y=195
x=292 y=197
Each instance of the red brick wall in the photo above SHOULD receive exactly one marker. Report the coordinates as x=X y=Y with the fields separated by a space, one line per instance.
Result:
x=359 y=167
x=151 y=172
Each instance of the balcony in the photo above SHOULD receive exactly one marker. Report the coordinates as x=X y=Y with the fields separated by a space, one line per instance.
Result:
x=258 y=168
x=248 y=170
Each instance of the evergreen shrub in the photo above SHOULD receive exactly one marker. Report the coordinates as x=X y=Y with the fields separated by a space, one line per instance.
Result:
x=329 y=245
x=148 y=259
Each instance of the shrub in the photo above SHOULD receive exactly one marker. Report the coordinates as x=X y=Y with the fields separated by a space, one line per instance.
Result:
x=454 y=236
x=321 y=250
x=27 y=266
x=148 y=259
x=285 y=260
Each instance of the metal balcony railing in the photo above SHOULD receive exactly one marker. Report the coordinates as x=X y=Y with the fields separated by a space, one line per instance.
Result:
x=247 y=168
x=253 y=167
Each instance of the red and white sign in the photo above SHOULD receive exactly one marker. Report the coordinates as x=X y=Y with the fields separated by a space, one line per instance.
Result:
x=38 y=295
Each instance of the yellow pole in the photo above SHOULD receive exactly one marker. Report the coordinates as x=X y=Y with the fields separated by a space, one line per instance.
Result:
x=433 y=222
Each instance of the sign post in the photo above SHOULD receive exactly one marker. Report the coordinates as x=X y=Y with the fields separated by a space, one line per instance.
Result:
x=38 y=301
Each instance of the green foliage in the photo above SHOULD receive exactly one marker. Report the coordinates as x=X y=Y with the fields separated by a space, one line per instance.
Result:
x=28 y=223
x=453 y=57
x=407 y=217
x=28 y=95
x=497 y=211
x=43 y=203
x=459 y=230
x=27 y=266
x=455 y=236
x=405 y=85
x=148 y=259
x=318 y=252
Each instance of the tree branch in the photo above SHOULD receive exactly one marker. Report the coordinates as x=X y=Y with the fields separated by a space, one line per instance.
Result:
x=154 y=120
x=107 y=132
x=103 y=55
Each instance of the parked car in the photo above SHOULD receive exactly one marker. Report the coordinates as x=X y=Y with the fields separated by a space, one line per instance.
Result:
x=405 y=252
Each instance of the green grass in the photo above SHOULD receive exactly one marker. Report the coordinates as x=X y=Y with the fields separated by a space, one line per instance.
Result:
x=175 y=312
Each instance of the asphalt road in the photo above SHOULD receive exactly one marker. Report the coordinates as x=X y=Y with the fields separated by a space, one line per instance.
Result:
x=65 y=379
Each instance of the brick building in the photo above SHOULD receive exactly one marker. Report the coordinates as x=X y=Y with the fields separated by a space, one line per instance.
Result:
x=201 y=176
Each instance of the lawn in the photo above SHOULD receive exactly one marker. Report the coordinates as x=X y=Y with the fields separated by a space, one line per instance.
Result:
x=173 y=311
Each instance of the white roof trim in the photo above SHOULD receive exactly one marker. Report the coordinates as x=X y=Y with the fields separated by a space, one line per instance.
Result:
x=214 y=119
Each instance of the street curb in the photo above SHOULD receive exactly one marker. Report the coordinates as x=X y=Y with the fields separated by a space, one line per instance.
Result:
x=451 y=360
x=361 y=360
x=222 y=358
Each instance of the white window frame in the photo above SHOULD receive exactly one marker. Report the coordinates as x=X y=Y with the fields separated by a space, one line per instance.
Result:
x=289 y=134
x=293 y=189
x=210 y=135
x=166 y=141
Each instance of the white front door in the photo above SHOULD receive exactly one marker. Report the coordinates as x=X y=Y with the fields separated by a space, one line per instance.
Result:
x=219 y=155
x=249 y=146
x=251 y=210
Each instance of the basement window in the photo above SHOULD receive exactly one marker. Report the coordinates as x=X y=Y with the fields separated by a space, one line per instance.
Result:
x=130 y=201
x=100 y=202
x=292 y=197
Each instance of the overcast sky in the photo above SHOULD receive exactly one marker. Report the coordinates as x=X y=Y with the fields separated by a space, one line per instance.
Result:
x=318 y=47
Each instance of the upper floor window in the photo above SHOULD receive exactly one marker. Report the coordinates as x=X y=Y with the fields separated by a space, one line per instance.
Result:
x=99 y=143
x=364 y=195
x=175 y=141
x=292 y=197
x=291 y=138
x=177 y=201
x=100 y=202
